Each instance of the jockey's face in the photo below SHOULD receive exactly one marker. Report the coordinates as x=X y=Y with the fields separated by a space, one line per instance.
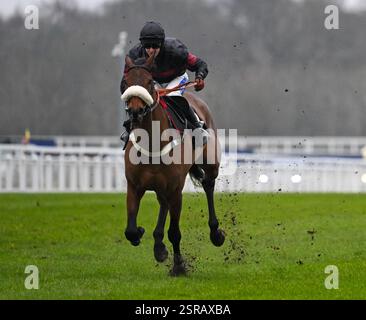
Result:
x=152 y=51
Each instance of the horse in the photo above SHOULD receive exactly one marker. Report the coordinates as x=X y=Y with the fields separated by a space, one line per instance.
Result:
x=143 y=105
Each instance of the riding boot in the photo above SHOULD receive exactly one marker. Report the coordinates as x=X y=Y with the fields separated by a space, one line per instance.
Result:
x=196 y=124
x=126 y=134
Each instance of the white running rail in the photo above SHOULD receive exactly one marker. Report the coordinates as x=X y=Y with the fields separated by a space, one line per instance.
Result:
x=94 y=169
x=350 y=146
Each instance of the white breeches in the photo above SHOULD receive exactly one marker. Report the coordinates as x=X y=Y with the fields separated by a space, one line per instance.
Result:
x=175 y=82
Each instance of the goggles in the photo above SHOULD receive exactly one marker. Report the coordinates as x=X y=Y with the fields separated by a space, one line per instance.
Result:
x=153 y=45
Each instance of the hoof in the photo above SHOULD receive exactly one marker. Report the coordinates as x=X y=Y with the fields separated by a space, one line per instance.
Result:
x=135 y=237
x=160 y=253
x=179 y=267
x=135 y=243
x=217 y=237
x=178 y=270
x=141 y=231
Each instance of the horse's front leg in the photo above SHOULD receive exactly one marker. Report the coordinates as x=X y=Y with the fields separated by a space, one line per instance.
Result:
x=175 y=207
x=132 y=232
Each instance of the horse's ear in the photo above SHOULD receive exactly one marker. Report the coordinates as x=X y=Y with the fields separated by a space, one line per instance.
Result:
x=149 y=62
x=129 y=62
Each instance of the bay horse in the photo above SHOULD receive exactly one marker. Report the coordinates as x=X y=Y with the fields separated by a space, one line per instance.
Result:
x=143 y=105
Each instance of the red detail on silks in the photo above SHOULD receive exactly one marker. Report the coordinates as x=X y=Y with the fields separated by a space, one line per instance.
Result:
x=192 y=59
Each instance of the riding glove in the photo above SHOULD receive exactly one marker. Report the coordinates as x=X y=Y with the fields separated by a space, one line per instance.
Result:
x=200 y=84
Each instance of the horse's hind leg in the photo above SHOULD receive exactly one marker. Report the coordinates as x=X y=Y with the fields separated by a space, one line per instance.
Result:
x=160 y=251
x=175 y=204
x=132 y=232
x=217 y=235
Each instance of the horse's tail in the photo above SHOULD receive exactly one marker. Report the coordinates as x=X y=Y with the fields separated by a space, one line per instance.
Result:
x=197 y=175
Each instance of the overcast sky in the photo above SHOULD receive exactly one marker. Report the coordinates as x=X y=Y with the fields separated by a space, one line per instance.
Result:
x=8 y=7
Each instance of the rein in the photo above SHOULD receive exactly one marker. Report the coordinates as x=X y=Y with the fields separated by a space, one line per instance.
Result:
x=164 y=92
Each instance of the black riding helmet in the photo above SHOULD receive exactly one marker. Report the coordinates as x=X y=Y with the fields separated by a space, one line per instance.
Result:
x=152 y=34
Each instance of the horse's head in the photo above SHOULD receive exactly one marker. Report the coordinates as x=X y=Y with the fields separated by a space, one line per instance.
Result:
x=140 y=91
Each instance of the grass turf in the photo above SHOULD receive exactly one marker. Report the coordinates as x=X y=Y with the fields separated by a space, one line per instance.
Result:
x=277 y=247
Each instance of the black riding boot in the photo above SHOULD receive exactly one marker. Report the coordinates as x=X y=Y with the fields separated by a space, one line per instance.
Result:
x=195 y=124
x=126 y=134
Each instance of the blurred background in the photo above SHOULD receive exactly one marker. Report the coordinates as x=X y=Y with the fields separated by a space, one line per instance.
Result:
x=294 y=90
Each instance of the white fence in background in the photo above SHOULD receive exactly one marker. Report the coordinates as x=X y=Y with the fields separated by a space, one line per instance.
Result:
x=266 y=173
x=341 y=146
x=55 y=169
x=49 y=169
x=350 y=146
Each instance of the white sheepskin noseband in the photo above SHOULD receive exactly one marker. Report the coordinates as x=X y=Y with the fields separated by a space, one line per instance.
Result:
x=137 y=91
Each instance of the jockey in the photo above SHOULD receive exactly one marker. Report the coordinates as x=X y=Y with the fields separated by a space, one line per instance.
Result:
x=172 y=59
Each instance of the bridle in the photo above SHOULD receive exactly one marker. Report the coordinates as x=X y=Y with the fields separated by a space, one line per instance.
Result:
x=146 y=109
